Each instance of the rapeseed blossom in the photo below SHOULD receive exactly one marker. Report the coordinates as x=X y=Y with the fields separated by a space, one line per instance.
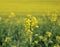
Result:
x=41 y=37
x=36 y=42
x=57 y=37
x=56 y=46
x=12 y=14
x=34 y=21
x=36 y=35
x=7 y=39
x=48 y=33
x=37 y=26
x=54 y=17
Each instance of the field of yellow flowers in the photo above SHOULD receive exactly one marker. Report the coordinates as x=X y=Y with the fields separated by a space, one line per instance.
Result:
x=30 y=30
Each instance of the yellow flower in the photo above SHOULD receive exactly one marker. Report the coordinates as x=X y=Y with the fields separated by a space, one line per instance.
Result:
x=56 y=46
x=34 y=21
x=36 y=35
x=41 y=37
x=29 y=30
x=13 y=46
x=58 y=37
x=44 y=39
x=36 y=42
x=12 y=14
x=48 y=34
x=7 y=39
x=37 y=26
x=27 y=25
x=54 y=17
x=28 y=20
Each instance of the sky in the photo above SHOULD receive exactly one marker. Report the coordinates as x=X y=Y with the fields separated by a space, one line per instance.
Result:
x=29 y=5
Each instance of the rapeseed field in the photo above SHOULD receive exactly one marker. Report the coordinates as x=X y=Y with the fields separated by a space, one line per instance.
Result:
x=30 y=30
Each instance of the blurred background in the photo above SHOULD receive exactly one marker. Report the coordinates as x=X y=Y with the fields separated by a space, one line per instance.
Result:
x=29 y=5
